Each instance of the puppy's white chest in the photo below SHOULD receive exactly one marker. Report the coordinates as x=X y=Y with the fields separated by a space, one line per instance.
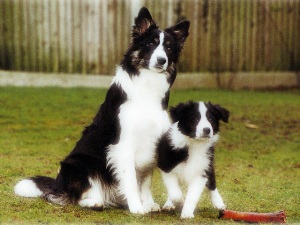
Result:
x=195 y=165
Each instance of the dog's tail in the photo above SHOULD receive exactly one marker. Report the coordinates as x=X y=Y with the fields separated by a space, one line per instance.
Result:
x=41 y=186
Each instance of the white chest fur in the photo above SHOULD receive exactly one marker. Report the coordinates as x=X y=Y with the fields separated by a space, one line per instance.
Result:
x=148 y=87
x=142 y=118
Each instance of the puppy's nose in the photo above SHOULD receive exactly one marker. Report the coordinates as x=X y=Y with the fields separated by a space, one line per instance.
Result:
x=206 y=130
x=161 y=61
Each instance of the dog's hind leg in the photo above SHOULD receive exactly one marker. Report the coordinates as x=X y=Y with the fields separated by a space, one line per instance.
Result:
x=146 y=195
x=93 y=197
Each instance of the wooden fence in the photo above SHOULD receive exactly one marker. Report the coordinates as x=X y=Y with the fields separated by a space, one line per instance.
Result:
x=90 y=36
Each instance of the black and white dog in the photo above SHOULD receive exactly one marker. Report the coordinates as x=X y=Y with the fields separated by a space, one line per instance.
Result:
x=186 y=154
x=112 y=163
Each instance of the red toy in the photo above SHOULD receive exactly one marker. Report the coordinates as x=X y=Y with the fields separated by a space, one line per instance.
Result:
x=276 y=217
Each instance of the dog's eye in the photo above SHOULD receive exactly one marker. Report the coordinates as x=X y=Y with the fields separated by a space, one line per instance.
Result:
x=153 y=42
x=168 y=45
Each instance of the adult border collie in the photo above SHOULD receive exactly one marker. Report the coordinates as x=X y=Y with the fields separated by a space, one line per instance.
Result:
x=186 y=154
x=112 y=163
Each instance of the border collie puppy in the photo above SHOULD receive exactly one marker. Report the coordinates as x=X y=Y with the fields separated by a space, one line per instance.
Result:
x=112 y=163
x=186 y=154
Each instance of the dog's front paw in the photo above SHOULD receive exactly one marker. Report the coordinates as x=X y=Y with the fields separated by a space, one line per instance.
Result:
x=178 y=202
x=153 y=207
x=137 y=209
x=168 y=206
x=186 y=214
x=91 y=203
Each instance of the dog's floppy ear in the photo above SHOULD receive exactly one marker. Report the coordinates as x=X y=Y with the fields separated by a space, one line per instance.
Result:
x=220 y=112
x=180 y=31
x=181 y=110
x=142 y=22
x=176 y=112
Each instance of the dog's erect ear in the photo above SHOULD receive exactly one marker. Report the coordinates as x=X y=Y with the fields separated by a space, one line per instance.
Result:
x=220 y=112
x=142 y=22
x=180 y=31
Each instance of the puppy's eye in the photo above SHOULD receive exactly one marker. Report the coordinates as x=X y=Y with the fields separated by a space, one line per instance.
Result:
x=195 y=119
x=210 y=119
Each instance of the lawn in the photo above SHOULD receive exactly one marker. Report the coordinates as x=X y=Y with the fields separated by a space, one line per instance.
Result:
x=257 y=157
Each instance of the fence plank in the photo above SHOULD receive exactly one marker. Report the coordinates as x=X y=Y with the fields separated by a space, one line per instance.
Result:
x=242 y=35
x=267 y=36
x=55 y=36
x=40 y=35
x=8 y=33
x=119 y=31
x=224 y=37
x=46 y=43
x=229 y=33
x=77 y=34
x=69 y=35
x=2 y=30
x=105 y=39
x=112 y=38
x=288 y=36
x=204 y=36
x=26 y=36
x=296 y=29
x=277 y=22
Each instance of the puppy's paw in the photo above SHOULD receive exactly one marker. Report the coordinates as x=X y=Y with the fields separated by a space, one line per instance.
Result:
x=152 y=207
x=186 y=214
x=168 y=206
x=216 y=200
x=155 y=207
x=219 y=205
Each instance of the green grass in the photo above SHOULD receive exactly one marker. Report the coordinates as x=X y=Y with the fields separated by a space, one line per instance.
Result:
x=257 y=169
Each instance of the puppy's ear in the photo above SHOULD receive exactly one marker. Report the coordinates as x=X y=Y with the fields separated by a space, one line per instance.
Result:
x=142 y=22
x=180 y=31
x=176 y=112
x=220 y=112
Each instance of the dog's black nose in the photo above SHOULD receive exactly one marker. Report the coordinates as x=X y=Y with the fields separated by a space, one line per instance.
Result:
x=161 y=61
x=206 y=130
